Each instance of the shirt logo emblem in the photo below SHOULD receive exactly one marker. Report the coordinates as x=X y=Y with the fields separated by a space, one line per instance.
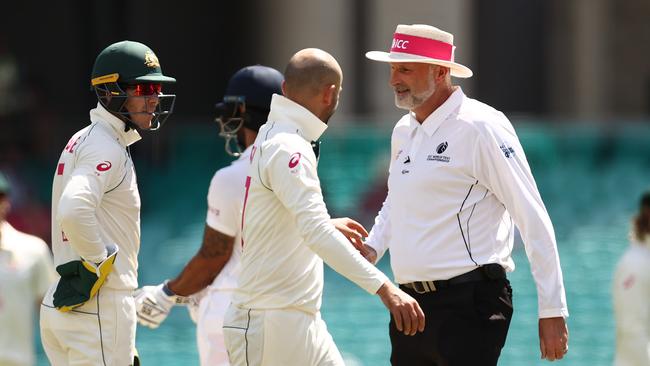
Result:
x=294 y=160
x=442 y=147
x=102 y=167
x=508 y=151
x=214 y=211
x=439 y=150
x=627 y=284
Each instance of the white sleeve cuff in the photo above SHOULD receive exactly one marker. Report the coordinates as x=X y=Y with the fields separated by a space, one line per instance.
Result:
x=554 y=313
x=220 y=227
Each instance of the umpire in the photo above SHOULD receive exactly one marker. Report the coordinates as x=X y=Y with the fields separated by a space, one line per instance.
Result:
x=451 y=242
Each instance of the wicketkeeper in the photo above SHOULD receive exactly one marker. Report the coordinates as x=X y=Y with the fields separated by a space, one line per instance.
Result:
x=88 y=315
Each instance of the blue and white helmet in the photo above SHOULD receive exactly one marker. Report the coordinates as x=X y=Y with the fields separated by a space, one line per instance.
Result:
x=246 y=103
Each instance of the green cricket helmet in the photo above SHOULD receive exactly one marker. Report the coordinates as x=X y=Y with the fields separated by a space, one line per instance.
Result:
x=129 y=64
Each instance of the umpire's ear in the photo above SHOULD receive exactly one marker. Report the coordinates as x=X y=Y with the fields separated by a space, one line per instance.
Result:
x=440 y=73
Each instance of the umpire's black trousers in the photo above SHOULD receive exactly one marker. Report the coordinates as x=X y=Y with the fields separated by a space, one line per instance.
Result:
x=466 y=325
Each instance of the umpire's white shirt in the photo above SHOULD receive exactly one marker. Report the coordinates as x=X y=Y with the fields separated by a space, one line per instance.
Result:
x=458 y=184
x=287 y=229
x=95 y=199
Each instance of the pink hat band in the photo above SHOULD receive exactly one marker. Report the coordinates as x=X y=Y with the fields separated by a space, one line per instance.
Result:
x=421 y=43
x=426 y=47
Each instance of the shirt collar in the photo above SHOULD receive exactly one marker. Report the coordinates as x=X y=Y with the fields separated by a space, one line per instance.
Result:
x=6 y=230
x=435 y=119
x=101 y=116
x=2 y=233
x=246 y=153
x=285 y=110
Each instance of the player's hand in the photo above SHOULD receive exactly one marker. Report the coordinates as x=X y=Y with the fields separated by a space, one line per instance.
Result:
x=152 y=305
x=354 y=231
x=409 y=317
x=370 y=253
x=553 y=338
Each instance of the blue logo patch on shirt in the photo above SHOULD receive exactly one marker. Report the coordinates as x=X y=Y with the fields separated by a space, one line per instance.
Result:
x=508 y=151
x=442 y=147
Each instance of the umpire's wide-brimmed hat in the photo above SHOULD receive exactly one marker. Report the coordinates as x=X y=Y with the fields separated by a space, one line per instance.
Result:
x=422 y=43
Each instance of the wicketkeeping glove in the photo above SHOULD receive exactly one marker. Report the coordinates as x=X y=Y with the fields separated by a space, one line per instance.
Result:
x=153 y=303
x=80 y=280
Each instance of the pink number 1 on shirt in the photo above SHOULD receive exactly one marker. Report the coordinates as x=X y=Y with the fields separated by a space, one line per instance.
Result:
x=243 y=210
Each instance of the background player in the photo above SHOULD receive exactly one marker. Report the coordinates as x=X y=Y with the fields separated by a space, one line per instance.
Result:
x=215 y=267
x=26 y=271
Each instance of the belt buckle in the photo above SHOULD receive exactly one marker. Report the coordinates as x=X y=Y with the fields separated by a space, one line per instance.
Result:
x=424 y=287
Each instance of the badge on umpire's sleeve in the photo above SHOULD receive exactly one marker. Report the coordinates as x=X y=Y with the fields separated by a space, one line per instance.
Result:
x=508 y=151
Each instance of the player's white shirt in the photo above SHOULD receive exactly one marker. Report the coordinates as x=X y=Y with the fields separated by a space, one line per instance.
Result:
x=95 y=199
x=225 y=200
x=287 y=229
x=458 y=184
x=26 y=271
x=631 y=295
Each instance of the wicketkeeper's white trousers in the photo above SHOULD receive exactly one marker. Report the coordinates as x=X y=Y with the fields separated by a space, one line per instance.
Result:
x=101 y=332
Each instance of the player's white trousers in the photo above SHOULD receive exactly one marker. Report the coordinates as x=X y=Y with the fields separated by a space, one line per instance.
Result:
x=209 y=331
x=278 y=338
x=101 y=332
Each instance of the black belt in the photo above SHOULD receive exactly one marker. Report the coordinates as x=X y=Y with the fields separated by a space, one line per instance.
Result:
x=486 y=272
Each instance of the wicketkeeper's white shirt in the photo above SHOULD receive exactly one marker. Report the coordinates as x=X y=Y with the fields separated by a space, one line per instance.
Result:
x=287 y=229
x=458 y=184
x=95 y=199
x=26 y=272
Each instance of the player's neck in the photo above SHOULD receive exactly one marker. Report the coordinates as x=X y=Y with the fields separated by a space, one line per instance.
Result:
x=249 y=137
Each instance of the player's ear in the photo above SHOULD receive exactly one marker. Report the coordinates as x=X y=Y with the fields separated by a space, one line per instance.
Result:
x=284 y=88
x=329 y=94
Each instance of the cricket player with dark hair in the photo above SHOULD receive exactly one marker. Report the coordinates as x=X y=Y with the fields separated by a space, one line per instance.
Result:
x=211 y=275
